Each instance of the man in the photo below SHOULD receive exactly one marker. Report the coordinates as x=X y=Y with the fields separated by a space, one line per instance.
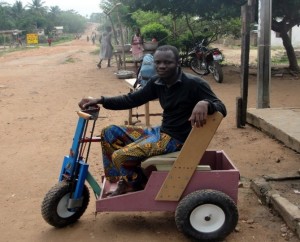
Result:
x=186 y=101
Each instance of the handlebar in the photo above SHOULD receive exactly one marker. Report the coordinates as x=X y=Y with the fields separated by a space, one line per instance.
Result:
x=84 y=115
x=90 y=113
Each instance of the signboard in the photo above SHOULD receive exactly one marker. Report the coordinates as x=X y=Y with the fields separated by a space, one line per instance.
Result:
x=32 y=38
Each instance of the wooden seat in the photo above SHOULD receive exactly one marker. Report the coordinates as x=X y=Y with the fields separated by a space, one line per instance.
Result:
x=165 y=162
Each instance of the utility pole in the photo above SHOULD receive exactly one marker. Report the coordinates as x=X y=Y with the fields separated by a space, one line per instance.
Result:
x=112 y=24
x=264 y=53
x=241 y=102
x=122 y=39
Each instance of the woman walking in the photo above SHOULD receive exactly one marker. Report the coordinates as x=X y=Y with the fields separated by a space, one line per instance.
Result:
x=106 y=49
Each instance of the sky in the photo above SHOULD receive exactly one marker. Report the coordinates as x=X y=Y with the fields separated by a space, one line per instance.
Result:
x=85 y=7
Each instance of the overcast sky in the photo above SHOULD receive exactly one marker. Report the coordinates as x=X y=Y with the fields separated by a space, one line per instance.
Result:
x=83 y=7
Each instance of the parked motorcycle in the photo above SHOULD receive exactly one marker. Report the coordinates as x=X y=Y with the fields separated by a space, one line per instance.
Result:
x=204 y=61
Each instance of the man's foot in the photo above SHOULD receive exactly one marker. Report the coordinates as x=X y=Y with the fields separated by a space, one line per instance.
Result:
x=99 y=66
x=129 y=184
x=122 y=188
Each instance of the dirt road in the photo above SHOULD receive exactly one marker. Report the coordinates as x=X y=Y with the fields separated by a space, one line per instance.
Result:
x=39 y=92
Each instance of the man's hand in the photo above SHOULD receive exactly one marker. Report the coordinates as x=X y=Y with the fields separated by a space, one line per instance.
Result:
x=199 y=114
x=87 y=102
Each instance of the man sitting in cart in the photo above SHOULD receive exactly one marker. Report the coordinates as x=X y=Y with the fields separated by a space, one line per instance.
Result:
x=186 y=101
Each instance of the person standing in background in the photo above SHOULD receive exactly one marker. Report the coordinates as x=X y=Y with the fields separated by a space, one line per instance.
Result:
x=93 y=36
x=49 y=40
x=137 y=47
x=106 y=49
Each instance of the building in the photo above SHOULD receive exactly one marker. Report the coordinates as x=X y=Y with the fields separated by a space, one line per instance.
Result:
x=58 y=30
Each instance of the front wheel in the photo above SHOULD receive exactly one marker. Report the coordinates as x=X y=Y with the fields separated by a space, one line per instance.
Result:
x=54 y=206
x=206 y=215
x=217 y=72
x=198 y=66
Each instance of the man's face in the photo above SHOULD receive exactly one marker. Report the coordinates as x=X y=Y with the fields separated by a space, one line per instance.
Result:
x=165 y=64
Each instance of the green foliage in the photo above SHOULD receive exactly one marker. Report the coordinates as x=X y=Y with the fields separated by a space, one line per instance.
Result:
x=73 y=23
x=36 y=16
x=143 y=18
x=42 y=39
x=155 y=30
x=202 y=8
x=232 y=27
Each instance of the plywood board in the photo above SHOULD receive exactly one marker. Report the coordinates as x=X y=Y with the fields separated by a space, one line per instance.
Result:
x=188 y=159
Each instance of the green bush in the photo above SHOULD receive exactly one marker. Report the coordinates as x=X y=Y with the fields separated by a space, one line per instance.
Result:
x=155 y=30
x=42 y=39
x=184 y=42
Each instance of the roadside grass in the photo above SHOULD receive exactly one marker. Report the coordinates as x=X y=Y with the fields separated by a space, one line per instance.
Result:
x=70 y=59
x=25 y=47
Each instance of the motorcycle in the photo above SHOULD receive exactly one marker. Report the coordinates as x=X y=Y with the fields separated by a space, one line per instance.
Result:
x=204 y=61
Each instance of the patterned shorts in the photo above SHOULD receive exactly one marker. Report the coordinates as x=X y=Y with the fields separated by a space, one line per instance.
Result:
x=125 y=147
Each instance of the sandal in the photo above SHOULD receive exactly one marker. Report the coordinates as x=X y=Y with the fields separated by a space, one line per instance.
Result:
x=122 y=188
x=137 y=184
x=99 y=66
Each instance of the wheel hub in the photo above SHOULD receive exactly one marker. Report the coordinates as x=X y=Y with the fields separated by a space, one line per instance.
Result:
x=207 y=218
x=62 y=207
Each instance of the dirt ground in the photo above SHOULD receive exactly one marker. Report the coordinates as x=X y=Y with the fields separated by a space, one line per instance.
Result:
x=39 y=92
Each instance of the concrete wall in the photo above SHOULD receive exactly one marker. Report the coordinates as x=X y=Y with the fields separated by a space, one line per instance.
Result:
x=277 y=41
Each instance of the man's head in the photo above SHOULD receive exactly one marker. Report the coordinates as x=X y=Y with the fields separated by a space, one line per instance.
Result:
x=166 y=59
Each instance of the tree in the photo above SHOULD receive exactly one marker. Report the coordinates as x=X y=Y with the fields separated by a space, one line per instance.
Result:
x=38 y=12
x=193 y=11
x=36 y=15
x=18 y=11
x=6 y=19
x=37 y=5
x=286 y=15
x=72 y=22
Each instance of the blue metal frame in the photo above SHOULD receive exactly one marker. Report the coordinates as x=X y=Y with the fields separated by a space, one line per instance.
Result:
x=73 y=165
x=69 y=162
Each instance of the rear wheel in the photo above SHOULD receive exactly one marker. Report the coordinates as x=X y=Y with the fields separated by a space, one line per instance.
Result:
x=206 y=215
x=198 y=66
x=217 y=72
x=54 y=206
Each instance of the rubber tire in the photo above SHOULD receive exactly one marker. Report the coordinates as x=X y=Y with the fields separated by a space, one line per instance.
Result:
x=197 y=67
x=218 y=72
x=51 y=201
x=199 y=200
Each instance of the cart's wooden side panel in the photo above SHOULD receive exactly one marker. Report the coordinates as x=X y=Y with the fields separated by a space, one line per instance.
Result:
x=188 y=159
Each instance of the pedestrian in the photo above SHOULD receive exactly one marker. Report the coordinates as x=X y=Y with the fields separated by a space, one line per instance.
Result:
x=106 y=48
x=49 y=40
x=137 y=47
x=186 y=100
x=19 y=41
x=93 y=36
